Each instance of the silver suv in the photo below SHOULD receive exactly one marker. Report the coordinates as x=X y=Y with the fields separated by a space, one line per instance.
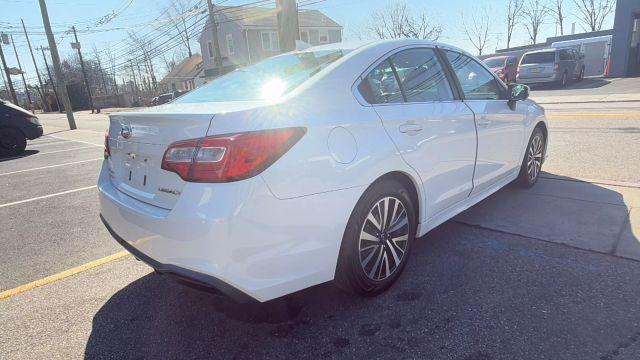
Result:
x=550 y=66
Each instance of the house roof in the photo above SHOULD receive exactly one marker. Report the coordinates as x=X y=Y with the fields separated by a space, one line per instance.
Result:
x=186 y=69
x=267 y=17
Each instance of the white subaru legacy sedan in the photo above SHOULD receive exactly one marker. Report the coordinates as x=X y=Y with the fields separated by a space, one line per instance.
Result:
x=315 y=165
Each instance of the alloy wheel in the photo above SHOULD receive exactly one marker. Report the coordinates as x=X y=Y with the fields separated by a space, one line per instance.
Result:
x=534 y=157
x=383 y=239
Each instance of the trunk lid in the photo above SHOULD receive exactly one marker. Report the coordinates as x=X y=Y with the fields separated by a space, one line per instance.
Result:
x=138 y=141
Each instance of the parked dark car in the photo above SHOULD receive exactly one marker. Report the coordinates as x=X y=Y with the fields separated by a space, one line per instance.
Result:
x=16 y=126
x=556 y=66
x=504 y=66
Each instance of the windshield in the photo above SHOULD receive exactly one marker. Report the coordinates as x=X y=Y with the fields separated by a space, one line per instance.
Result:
x=539 y=58
x=495 y=62
x=266 y=80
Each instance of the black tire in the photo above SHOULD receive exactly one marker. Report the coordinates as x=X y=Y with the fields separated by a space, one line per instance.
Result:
x=528 y=176
x=12 y=142
x=364 y=279
x=564 y=80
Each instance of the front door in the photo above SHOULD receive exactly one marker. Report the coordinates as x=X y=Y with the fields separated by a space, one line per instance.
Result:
x=433 y=131
x=500 y=129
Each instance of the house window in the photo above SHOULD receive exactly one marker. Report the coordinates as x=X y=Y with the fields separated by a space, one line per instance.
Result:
x=324 y=36
x=304 y=36
x=270 y=41
x=231 y=47
x=210 y=49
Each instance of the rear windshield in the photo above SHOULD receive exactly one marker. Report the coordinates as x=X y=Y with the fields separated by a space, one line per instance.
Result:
x=265 y=80
x=539 y=58
x=494 y=63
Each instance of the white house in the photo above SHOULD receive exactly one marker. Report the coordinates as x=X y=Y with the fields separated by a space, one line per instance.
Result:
x=250 y=34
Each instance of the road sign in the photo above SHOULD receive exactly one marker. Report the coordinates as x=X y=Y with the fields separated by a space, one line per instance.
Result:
x=75 y=45
x=5 y=39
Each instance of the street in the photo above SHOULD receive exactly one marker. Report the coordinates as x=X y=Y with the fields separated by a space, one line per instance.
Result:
x=545 y=273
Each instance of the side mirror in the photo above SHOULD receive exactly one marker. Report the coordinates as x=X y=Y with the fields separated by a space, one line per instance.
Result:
x=517 y=92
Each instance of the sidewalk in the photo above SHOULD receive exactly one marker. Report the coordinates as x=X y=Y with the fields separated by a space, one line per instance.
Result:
x=587 y=215
x=579 y=99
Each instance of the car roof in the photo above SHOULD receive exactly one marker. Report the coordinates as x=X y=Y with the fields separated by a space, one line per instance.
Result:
x=541 y=50
x=384 y=43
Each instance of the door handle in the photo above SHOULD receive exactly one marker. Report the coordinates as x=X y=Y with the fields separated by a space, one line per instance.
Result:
x=410 y=128
x=484 y=122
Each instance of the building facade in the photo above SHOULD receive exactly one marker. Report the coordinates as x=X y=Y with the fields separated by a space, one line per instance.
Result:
x=625 y=48
x=249 y=34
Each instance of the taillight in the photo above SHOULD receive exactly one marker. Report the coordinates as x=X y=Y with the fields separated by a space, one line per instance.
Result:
x=107 y=150
x=231 y=157
x=556 y=67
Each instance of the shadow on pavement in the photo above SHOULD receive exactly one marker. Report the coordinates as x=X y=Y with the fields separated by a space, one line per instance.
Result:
x=565 y=210
x=586 y=83
x=467 y=293
x=25 y=154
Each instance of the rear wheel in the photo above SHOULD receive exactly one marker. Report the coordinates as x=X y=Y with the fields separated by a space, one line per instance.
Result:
x=533 y=158
x=12 y=142
x=376 y=243
x=564 y=79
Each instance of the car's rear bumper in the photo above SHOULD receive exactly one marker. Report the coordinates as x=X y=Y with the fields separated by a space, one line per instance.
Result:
x=236 y=237
x=538 y=80
x=182 y=273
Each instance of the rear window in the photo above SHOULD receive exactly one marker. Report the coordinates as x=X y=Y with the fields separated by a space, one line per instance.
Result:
x=265 y=80
x=494 y=63
x=539 y=58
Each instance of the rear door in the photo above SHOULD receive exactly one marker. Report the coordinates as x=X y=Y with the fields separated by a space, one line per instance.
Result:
x=567 y=62
x=432 y=129
x=500 y=129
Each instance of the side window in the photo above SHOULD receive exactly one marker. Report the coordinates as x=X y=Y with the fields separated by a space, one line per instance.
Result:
x=380 y=86
x=477 y=83
x=421 y=76
x=565 y=55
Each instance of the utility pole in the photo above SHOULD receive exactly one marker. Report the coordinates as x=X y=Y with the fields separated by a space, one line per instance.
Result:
x=24 y=81
x=53 y=84
x=56 y=65
x=35 y=65
x=6 y=71
x=84 y=71
x=288 y=31
x=4 y=81
x=217 y=56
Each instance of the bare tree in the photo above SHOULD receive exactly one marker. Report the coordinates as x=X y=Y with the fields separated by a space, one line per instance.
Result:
x=96 y=54
x=182 y=14
x=556 y=9
x=112 y=61
x=592 y=13
x=514 y=13
x=534 y=14
x=477 y=30
x=397 y=20
x=145 y=48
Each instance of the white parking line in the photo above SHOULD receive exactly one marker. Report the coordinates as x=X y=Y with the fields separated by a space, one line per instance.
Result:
x=47 y=153
x=47 y=196
x=50 y=166
x=80 y=141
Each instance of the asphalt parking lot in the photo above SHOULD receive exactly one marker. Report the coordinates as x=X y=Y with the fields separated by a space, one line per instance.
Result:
x=547 y=273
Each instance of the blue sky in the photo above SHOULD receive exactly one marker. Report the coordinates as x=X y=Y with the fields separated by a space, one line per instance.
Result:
x=139 y=16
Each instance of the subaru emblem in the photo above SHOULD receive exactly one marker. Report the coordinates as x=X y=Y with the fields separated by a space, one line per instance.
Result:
x=126 y=131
